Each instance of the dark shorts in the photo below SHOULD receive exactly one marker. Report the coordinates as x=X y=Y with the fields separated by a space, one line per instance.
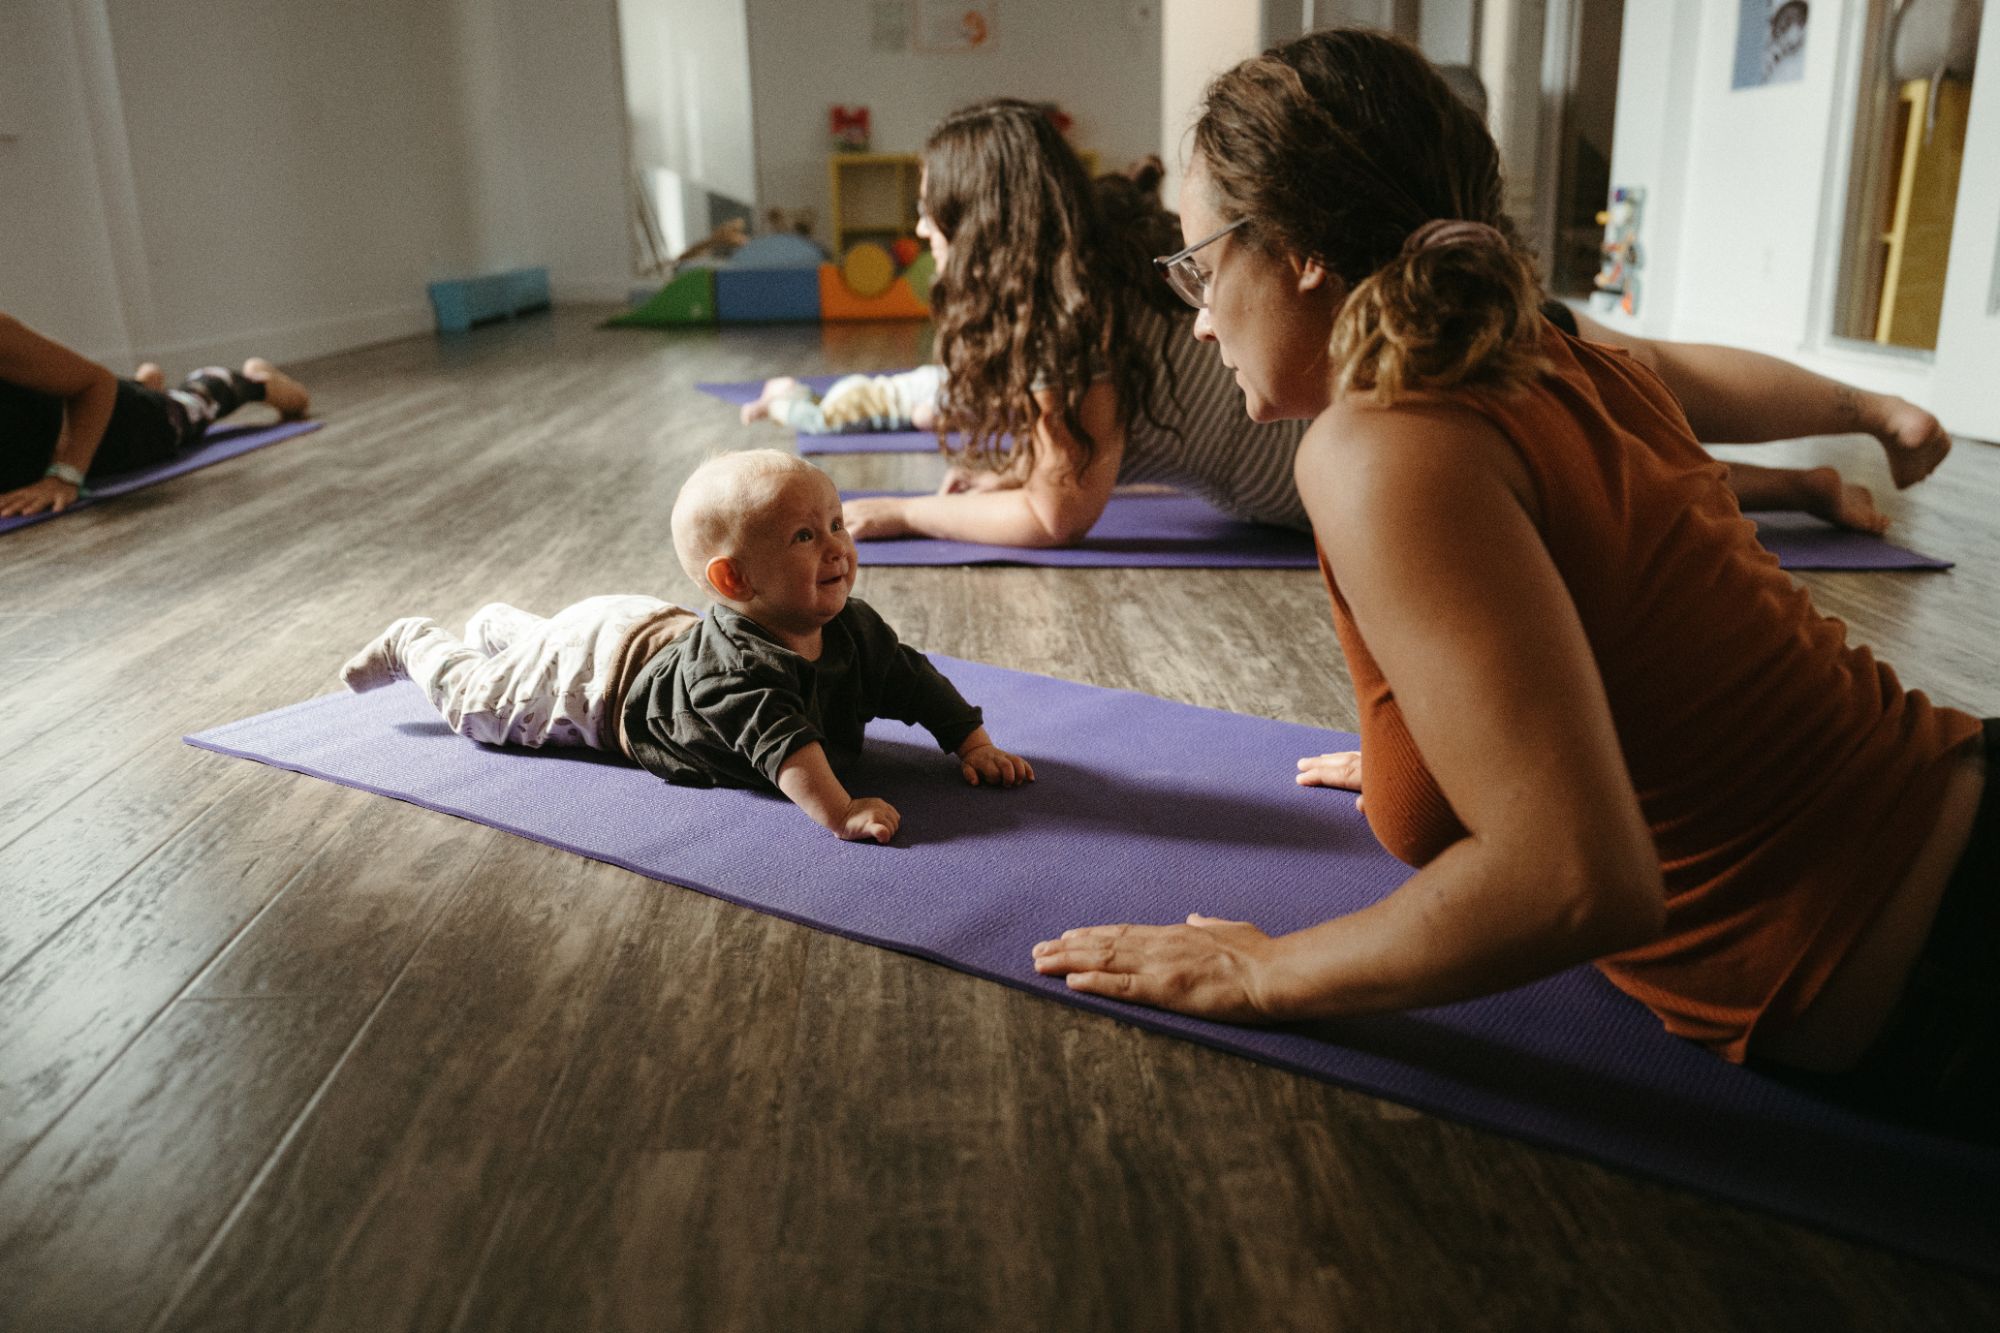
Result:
x=1937 y=1062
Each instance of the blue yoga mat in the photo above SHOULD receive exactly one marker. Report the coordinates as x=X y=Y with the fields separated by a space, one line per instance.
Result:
x=1146 y=810
x=216 y=446
x=1185 y=531
x=743 y=392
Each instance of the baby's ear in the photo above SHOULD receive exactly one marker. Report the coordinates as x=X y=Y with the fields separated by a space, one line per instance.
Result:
x=727 y=579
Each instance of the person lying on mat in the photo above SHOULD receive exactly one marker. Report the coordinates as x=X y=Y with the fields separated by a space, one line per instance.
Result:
x=1072 y=371
x=65 y=420
x=1595 y=716
x=906 y=400
x=1734 y=396
x=771 y=690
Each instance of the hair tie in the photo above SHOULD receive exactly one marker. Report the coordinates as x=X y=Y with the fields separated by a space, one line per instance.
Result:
x=1453 y=231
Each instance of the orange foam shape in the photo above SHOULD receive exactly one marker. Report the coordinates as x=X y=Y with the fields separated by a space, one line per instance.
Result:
x=838 y=301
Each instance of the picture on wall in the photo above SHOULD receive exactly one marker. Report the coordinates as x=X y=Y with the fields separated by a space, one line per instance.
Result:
x=955 y=25
x=1770 y=42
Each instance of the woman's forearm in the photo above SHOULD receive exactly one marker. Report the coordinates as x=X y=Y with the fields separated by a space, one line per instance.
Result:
x=1462 y=927
x=1025 y=516
x=86 y=414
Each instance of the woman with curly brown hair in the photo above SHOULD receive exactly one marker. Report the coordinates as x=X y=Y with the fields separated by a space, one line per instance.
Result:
x=1597 y=718
x=1056 y=331
x=1068 y=362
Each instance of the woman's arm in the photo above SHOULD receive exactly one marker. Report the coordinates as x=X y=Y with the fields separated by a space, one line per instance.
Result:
x=1426 y=519
x=1734 y=396
x=1053 y=507
x=88 y=391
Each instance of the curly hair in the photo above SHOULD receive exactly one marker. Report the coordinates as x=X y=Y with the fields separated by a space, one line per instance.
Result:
x=1340 y=146
x=1047 y=273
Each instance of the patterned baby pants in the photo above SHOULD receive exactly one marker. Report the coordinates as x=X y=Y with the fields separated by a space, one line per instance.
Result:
x=517 y=679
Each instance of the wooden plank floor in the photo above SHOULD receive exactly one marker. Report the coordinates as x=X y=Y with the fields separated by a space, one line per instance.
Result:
x=279 y=1055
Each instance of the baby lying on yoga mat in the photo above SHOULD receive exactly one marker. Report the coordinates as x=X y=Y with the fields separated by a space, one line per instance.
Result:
x=904 y=401
x=771 y=690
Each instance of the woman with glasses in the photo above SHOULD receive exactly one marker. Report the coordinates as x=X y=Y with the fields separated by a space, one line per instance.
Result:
x=1595 y=716
x=1070 y=368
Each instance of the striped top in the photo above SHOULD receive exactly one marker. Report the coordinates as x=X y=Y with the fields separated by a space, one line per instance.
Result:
x=1242 y=467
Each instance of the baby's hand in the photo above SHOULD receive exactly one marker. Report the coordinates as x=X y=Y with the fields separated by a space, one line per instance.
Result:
x=995 y=767
x=867 y=818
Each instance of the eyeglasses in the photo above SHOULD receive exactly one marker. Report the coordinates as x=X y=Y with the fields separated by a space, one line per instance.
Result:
x=1184 y=275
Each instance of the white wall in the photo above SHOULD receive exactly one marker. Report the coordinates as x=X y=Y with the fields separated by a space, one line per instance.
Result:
x=199 y=180
x=1745 y=194
x=1199 y=40
x=687 y=89
x=1100 y=60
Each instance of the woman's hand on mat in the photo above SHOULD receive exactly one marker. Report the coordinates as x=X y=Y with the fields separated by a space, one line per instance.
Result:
x=52 y=494
x=874 y=518
x=1341 y=769
x=992 y=766
x=1209 y=967
x=869 y=819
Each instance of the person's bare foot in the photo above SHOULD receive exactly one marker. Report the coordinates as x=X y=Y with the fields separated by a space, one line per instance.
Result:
x=784 y=386
x=1912 y=438
x=280 y=390
x=151 y=376
x=1823 y=493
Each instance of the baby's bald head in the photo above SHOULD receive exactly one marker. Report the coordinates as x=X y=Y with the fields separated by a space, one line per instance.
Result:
x=723 y=500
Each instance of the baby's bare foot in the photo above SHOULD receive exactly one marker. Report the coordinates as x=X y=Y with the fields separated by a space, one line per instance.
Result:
x=784 y=386
x=150 y=375
x=381 y=662
x=280 y=390
x=1913 y=440
x=1824 y=494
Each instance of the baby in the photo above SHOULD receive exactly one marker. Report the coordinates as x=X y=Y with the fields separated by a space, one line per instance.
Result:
x=771 y=690
x=905 y=401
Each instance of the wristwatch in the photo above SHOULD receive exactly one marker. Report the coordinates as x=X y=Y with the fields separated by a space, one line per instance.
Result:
x=64 y=472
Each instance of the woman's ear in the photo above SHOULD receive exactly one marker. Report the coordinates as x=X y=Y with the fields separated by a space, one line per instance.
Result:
x=1312 y=274
x=727 y=579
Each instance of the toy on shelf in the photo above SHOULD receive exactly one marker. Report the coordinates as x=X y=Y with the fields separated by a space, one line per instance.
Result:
x=847 y=127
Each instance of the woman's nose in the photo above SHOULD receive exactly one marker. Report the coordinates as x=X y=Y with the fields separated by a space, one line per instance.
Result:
x=1204 y=327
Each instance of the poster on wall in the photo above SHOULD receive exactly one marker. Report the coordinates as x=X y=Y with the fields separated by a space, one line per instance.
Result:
x=1770 y=42
x=955 y=25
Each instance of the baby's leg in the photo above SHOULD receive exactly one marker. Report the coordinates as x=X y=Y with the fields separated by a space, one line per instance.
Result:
x=496 y=624
x=546 y=686
x=783 y=386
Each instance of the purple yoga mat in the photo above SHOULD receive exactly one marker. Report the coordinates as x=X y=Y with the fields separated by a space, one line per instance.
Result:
x=1801 y=541
x=1146 y=810
x=742 y=392
x=1187 y=532
x=218 y=445
x=1182 y=531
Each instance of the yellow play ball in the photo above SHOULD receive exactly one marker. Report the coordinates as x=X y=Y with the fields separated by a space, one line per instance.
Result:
x=868 y=269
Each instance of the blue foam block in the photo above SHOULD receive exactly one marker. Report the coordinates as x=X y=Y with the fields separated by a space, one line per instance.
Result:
x=460 y=303
x=766 y=295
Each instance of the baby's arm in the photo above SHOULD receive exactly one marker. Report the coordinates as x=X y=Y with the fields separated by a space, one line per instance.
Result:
x=809 y=781
x=983 y=761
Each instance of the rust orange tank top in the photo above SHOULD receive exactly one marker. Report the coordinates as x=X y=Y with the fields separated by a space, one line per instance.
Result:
x=1787 y=776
